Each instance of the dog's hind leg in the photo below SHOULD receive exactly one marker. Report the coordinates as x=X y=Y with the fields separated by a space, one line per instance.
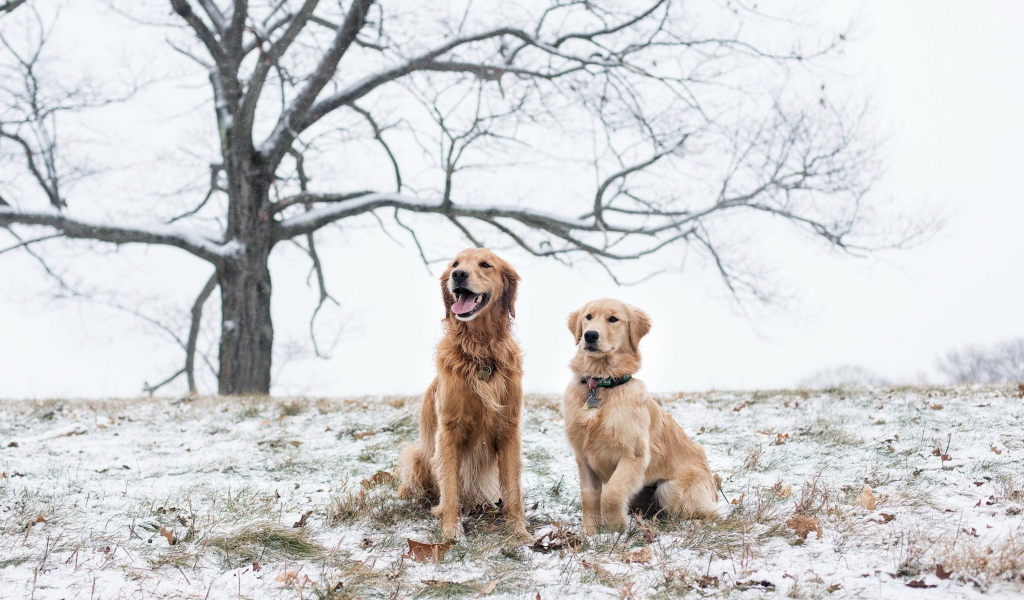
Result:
x=689 y=494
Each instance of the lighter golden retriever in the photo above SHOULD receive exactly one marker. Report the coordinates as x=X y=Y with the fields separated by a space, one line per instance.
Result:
x=623 y=439
x=469 y=448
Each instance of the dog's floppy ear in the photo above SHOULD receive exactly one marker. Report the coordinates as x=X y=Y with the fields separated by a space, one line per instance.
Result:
x=575 y=326
x=509 y=289
x=639 y=324
x=446 y=296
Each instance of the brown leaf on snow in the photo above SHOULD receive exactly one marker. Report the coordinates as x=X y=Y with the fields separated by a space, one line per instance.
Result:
x=782 y=492
x=302 y=520
x=295 y=443
x=866 y=499
x=941 y=572
x=935 y=406
x=780 y=439
x=884 y=518
x=971 y=532
x=288 y=577
x=487 y=589
x=377 y=479
x=40 y=519
x=919 y=583
x=363 y=434
x=643 y=555
x=556 y=538
x=422 y=552
x=1020 y=390
x=738 y=500
x=993 y=448
x=707 y=581
x=804 y=525
x=169 y=534
x=598 y=569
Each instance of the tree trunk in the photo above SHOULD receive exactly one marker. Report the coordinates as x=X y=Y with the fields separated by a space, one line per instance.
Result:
x=247 y=332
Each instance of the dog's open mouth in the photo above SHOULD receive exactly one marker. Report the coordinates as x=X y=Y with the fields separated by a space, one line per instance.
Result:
x=468 y=303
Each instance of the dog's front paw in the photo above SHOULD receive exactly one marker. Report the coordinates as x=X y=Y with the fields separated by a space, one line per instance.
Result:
x=453 y=532
x=615 y=522
x=519 y=532
x=589 y=529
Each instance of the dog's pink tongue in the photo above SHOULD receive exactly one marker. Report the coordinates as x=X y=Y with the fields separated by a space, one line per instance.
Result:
x=465 y=304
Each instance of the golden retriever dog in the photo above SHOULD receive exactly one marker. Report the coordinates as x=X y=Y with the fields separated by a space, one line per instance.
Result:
x=469 y=448
x=624 y=441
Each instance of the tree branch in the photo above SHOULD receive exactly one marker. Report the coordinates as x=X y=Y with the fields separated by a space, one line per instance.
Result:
x=288 y=125
x=193 y=332
x=200 y=245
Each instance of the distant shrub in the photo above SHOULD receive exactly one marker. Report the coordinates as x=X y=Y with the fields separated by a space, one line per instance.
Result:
x=974 y=364
x=843 y=376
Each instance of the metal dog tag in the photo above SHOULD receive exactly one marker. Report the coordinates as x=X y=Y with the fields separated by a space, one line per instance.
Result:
x=484 y=374
x=593 y=400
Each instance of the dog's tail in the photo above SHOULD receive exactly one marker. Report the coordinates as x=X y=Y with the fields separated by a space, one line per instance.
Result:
x=414 y=472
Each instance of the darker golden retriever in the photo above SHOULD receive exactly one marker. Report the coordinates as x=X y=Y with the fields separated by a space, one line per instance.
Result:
x=624 y=441
x=469 y=448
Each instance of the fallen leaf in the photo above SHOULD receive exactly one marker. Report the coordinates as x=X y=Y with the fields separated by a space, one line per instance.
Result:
x=363 y=434
x=378 y=478
x=302 y=520
x=919 y=583
x=256 y=566
x=738 y=500
x=288 y=577
x=643 y=555
x=803 y=525
x=866 y=499
x=942 y=573
x=598 y=569
x=834 y=587
x=782 y=492
x=295 y=443
x=487 y=589
x=1020 y=390
x=40 y=519
x=754 y=584
x=740 y=407
x=12 y=445
x=993 y=448
x=707 y=581
x=935 y=406
x=971 y=532
x=555 y=538
x=169 y=535
x=422 y=552
x=780 y=439
x=885 y=518
x=946 y=457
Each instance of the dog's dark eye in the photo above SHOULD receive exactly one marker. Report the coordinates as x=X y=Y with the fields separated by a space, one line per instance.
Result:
x=589 y=317
x=613 y=319
x=485 y=265
x=455 y=264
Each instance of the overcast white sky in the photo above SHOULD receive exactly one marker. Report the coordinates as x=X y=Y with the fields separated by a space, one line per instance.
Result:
x=948 y=85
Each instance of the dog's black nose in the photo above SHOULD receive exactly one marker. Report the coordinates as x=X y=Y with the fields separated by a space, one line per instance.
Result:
x=460 y=276
x=591 y=336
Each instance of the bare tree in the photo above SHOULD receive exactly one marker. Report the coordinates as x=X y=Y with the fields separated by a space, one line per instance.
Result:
x=684 y=118
x=997 y=364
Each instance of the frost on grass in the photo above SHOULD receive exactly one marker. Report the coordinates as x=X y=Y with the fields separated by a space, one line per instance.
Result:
x=835 y=493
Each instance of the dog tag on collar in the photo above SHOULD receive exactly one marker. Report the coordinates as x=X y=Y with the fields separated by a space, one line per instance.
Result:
x=484 y=374
x=593 y=400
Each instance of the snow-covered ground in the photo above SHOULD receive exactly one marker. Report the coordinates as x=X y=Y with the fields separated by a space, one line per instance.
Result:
x=917 y=493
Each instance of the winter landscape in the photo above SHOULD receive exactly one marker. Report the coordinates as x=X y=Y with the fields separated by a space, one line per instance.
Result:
x=865 y=493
